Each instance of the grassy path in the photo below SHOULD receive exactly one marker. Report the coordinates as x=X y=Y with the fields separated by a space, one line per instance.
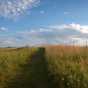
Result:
x=34 y=74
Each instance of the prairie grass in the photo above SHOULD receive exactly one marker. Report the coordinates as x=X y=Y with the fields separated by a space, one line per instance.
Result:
x=68 y=66
x=44 y=67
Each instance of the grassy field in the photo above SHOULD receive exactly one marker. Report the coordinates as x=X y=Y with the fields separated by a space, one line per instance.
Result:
x=44 y=67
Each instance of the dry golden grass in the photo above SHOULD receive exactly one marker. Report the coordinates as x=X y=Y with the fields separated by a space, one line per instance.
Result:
x=44 y=67
x=68 y=66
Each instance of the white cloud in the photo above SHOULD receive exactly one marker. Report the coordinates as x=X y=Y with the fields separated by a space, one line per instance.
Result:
x=36 y=31
x=77 y=27
x=42 y=12
x=66 y=13
x=15 y=8
x=3 y=29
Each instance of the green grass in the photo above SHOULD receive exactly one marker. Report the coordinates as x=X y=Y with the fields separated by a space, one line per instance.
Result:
x=44 y=67
x=12 y=62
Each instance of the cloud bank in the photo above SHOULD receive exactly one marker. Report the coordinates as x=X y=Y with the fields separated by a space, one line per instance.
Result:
x=76 y=27
x=57 y=34
x=54 y=34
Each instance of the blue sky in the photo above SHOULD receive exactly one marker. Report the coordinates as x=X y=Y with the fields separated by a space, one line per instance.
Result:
x=36 y=22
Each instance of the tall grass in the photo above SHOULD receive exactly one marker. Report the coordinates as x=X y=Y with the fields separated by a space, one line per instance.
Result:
x=68 y=66
x=44 y=67
x=11 y=63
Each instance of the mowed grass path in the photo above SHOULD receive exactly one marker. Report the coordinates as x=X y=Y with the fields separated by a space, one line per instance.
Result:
x=44 y=67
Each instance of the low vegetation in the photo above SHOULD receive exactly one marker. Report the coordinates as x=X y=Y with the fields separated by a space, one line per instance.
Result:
x=44 y=67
